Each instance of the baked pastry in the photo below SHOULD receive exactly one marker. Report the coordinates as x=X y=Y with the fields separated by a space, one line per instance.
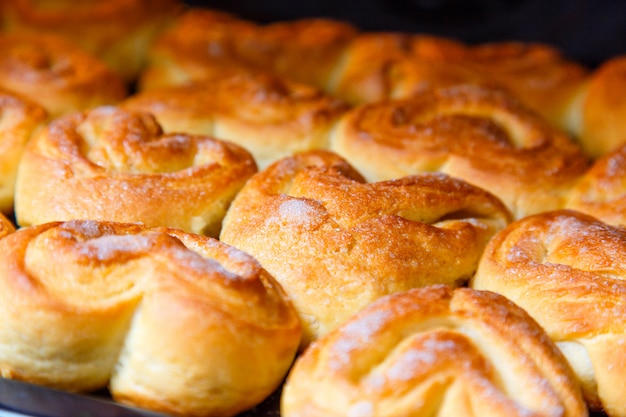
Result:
x=481 y=135
x=199 y=45
x=601 y=191
x=388 y=65
x=164 y=315
x=112 y=164
x=204 y=43
x=598 y=117
x=537 y=74
x=56 y=74
x=19 y=120
x=337 y=243
x=434 y=351
x=269 y=116
x=6 y=226
x=116 y=31
x=566 y=270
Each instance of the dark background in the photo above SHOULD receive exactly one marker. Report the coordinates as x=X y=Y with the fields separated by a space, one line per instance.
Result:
x=589 y=31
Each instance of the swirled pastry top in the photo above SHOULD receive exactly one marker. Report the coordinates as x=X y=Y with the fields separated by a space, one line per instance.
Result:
x=481 y=135
x=56 y=74
x=434 y=351
x=204 y=42
x=151 y=310
x=567 y=270
x=537 y=74
x=388 y=65
x=116 y=31
x=111 y=164
x=19 y=120
x=268 y=115
x=601 y=191
x=336 y=243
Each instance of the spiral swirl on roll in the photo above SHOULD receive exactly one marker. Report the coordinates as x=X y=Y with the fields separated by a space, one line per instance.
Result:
x=537 y=74
x=434 y=351
x=336 y=243
x=20 y=119
x=601 y=191
x=56 y=74
x=567 y=270
x=164 y=317
x=381 y=65
x=269 y=116
x=111 y=164
x=481 y=135
x=116 y=31
x=203 y=43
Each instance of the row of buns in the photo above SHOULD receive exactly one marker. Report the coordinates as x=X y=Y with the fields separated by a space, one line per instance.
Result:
x=407 y=217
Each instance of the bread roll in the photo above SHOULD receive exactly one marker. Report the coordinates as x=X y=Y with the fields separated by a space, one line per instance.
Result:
x=116 y=31
x=203 y=43
x=566 y=269
x=19 y=120
x=56 y=74
x=601 y=191
x=199 y=45
x=481 y=135
x=599 y=117
x=388 y=65
x=178 y=323
x=434 y=351
x=537 y=74
x=336 y=243
x=116 y=165
x=269 y=116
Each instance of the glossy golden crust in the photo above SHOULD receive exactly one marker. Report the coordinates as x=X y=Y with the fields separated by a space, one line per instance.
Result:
x=117 y=31
x=166 y=316
x=388 y=65
x=111 y=164
x=56 y=74
x=567 y=270
x=602 y=116
x=537 y=74
x=336 y=243
x=203 y=43
x=269 y=116
x=19 y=120
x=434 y=351
x=601 y=191
x=480 y=135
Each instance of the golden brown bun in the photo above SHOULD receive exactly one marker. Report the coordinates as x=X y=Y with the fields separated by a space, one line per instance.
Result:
x=386 y=65
x=599 y=118
x=178 y=322
x=112 y=164
x=336 y=243
x=6 y=226
x=567 y=270
x=434 y=351
x=601 y=191
x=269 y=116
x=19 y=120
x=203 y=43
x=480 y=135
x=117 y=31
x=56 y=74
x=537 y=74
